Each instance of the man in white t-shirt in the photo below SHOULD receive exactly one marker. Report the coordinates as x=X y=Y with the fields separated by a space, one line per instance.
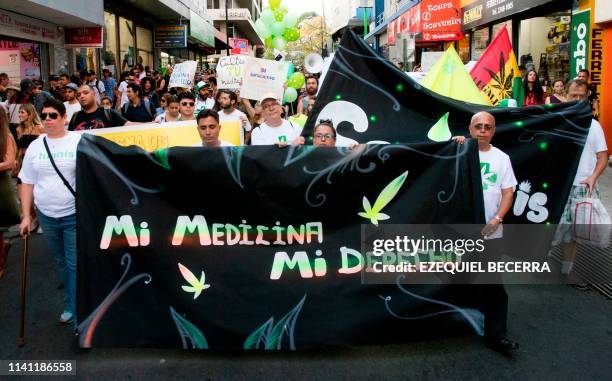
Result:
x=229 y=113
x=72 y=103
x=274 y=130
x=209 y=129
x=592 y=163
x=498 y=184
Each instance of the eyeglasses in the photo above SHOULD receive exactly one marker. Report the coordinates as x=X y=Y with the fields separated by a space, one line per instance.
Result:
x=269 y=106
x=324 y=136
x=187 y=104
x=162 y=101
x=52 y=115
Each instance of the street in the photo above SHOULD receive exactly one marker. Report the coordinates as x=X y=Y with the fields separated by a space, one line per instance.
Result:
x=563 y=333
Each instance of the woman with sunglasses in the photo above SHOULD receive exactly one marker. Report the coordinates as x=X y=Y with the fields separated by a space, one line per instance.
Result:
x=48 y=180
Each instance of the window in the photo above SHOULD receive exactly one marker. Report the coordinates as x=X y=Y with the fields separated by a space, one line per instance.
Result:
x=144 y=38
x=126 y=38
x=480 y=41
x=109 y=50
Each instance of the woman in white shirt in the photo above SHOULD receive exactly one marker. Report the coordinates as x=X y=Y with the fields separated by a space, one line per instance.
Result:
x=48 y=176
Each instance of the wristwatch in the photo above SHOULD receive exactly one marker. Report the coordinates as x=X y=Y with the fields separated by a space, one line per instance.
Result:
x=499 y=219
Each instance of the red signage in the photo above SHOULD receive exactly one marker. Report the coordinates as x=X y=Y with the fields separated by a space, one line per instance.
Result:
x=83 y=37
x=415 y=19
x=241 y=45
x=391 y=31
x=441 y=36
x=440 y=16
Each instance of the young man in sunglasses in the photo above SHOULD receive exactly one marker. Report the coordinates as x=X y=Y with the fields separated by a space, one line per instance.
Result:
x=498 y=184
x=186 y=106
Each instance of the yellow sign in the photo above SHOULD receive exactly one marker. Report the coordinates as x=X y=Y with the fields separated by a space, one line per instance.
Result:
x=153 y=136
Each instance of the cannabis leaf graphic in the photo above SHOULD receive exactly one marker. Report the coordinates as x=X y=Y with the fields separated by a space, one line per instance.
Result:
x=488 y=178
x=372 y=213
x=502 y=82
x=196 y=286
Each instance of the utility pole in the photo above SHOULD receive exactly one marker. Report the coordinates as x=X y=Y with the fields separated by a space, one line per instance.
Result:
x=226 y=29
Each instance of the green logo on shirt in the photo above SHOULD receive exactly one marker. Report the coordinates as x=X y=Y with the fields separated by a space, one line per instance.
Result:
x=282 y=139
x=489 y=179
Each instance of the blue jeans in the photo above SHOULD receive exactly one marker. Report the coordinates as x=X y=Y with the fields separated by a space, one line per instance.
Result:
x=60 y=234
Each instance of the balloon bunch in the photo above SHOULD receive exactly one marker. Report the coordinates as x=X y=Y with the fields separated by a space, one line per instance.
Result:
x=276 y=26
x=295 y=81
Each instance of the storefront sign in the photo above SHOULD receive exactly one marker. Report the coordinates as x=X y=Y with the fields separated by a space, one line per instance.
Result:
x=263 y=76
x=171 y=36
x=229 y=71
x=201 y=30
x=596 y=59
x=391 y=33
x=415 y=19
x=241 y=44
x=83 y=37
x=439 y=16
x=20 y=60
x=480 y=12
x=441 y=36
x=18 y=26
x=579 y=60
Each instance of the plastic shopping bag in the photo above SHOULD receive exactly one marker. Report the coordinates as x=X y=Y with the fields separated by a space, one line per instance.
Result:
x=591 y=222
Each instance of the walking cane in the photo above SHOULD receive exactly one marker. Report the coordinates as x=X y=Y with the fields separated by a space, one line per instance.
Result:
x=24 y=275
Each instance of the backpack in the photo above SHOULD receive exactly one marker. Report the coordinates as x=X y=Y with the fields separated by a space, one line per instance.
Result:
x=147 y=104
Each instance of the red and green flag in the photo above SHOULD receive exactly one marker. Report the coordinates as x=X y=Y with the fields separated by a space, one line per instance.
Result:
x=496 y=73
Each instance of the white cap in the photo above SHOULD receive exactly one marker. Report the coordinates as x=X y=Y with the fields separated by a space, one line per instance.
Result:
x=269 y=96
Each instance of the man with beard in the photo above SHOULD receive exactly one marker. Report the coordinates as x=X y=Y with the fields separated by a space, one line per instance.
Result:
x=91 y=115
x=228 y=112
x=72 y=104
x=54 y=87
x=305 y=103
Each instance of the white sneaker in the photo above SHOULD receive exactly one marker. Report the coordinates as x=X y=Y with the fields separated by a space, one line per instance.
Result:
x=66 y=317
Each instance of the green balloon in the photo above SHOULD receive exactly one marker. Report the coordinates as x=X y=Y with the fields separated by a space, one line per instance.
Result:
x=290 y=20
x=262 y=29
x=274 y=4
x=268 y=42
x=290 y=95
x=279 y=43
x=277 y=28
x=296 y=80
x=291 y=34
x=280 y=13
x=267 y=16
x=291 y=69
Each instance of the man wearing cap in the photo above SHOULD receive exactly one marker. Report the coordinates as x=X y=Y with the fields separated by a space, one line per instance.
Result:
x=34 y=94
x=201 y=103
x=72 y=103
x=54 y=88
x=275 y=129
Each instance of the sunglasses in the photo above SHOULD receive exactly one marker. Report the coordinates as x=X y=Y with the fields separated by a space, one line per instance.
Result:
x=52 y=115
x=485 y=127
x=326 y=121
x=190 y=104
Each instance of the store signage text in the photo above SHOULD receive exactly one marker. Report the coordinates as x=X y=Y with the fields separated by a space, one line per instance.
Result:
x=581 y=22
x=472 y=15
x=596 y=58
x=90 y=37
x=18 y=26
x=480 y=12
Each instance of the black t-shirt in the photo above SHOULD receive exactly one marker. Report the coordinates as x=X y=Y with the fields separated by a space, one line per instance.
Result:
x=138 y=114
x=101 y=118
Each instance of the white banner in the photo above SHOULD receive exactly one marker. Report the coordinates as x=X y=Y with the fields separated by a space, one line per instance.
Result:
x=229 y=72
x=263 y=76
x=183 y=75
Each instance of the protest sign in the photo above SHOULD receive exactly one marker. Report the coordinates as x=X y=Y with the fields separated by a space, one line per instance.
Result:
x=261 y=76
x=154 y=136
x=183 y=75
x=229 y=72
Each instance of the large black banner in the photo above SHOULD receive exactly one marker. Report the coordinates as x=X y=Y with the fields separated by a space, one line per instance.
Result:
x=369 y=99
x=259 y=247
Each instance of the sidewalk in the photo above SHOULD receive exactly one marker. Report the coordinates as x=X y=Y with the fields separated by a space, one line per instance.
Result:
x=563 y=334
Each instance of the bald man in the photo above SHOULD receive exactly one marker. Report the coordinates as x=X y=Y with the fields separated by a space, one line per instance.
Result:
x=498 y=184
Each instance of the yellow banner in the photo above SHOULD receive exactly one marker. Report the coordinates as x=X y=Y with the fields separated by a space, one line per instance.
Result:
x=153 y=136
